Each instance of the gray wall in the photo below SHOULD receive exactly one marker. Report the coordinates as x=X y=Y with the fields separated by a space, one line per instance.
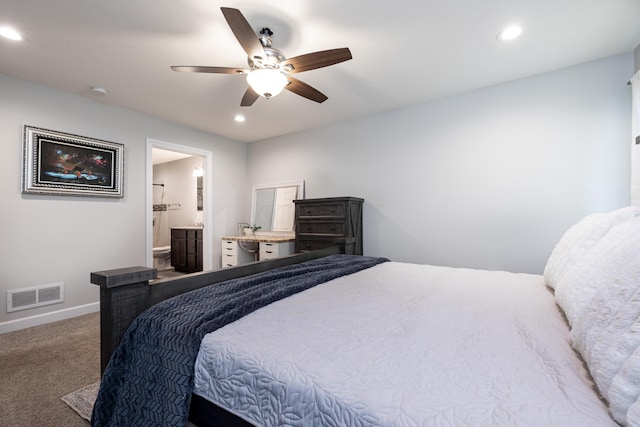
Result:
x=488 y=179
x=637 y=58
x=49 y=239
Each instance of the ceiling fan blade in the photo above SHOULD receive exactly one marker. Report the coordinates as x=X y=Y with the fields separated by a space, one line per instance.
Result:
x=303 y=89
x=243 y=32
x=250 y=96
x=324 y=58
x=201 y=69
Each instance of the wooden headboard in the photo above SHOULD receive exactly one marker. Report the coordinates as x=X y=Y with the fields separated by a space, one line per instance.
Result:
x=127 y=292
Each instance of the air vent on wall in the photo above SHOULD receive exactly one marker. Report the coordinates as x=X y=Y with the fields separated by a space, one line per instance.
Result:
x=21 y=299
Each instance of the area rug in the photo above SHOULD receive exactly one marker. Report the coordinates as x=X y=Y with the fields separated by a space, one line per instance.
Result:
x=82 y=400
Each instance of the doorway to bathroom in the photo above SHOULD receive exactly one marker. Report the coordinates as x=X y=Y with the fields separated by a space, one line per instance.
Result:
x=178 y=195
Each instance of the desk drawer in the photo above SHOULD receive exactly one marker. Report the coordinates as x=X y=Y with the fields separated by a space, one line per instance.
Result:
x=232 y=254
x=269 y=250
x=229 y=260
x=229 y=247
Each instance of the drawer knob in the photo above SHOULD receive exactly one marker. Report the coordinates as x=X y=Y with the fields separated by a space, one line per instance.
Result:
x=308 y=228
x=308 y=211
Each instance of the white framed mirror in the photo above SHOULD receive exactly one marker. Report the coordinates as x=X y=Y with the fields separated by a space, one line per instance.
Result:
x=272 y=207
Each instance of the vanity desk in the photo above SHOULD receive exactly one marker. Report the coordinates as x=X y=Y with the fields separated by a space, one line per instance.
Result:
x=267 y=247
x=272 y=213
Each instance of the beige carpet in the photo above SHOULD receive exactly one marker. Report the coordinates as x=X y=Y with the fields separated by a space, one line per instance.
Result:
x=39 y=365
x=82 y=400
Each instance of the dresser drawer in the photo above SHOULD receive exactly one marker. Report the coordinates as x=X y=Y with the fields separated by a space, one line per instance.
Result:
x=326 y=228
x=312 y=245
x=335 y=210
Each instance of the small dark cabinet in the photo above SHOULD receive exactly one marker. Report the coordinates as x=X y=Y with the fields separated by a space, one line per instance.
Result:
x=186 y=249
x=333 y=221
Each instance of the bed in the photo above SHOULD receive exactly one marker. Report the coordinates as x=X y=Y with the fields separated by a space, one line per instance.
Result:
x=324 y=339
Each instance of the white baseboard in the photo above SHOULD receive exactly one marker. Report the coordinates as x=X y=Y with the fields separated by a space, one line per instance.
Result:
x=41 y=319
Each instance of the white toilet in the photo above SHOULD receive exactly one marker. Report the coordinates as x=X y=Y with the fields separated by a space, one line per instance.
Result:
x=162 y=258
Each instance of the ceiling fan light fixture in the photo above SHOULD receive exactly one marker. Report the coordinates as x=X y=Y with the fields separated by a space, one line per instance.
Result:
x=267 y=82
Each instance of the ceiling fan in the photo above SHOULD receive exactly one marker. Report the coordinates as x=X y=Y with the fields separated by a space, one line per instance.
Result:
x=269 y=70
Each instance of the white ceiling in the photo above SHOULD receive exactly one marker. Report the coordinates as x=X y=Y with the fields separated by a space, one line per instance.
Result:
x=404 y=52
x=159 y=156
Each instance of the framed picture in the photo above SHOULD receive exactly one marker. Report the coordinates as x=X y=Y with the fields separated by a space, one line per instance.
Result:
x=70 y=165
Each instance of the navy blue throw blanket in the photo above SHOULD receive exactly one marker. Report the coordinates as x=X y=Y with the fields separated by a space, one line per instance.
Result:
x=149 y=379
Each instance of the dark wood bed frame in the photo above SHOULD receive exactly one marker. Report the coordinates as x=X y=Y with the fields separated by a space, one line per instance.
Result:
x=127 y=292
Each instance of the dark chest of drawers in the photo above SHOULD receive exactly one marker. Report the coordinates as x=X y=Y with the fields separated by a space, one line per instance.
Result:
x=333 y=221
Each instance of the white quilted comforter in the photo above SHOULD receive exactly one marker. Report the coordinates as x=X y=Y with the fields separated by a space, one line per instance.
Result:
x=403 y=345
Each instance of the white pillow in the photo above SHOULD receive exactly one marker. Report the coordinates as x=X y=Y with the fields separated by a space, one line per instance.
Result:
x=601 y=297
x=613 y=337
x=624 y=392
x=633 y=414
x=580 y=238
x=572 y=246
x=598 y=267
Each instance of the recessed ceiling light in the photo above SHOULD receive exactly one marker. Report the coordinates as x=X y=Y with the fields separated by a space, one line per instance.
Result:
x=510 y=33
x=239 y=118
x=98 y=90
x=10 y=33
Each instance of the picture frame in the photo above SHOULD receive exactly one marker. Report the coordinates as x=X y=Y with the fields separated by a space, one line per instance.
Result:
x=58 y=163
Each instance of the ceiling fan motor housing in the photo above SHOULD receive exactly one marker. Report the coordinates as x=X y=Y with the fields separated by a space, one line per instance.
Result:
x=272 y=59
